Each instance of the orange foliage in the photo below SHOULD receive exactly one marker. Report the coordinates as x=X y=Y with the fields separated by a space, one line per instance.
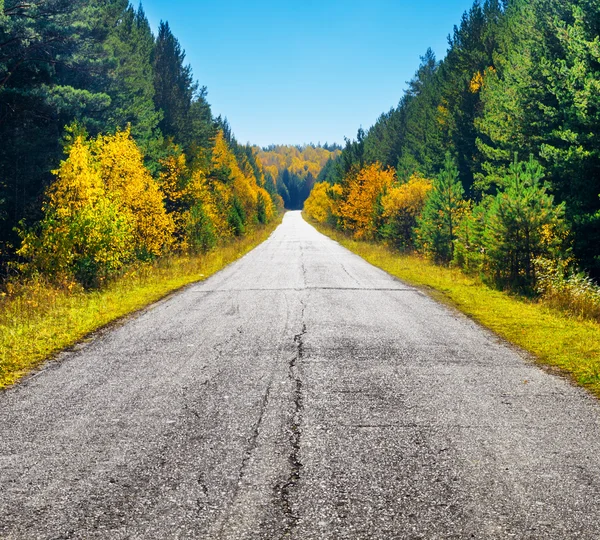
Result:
x=356 y=210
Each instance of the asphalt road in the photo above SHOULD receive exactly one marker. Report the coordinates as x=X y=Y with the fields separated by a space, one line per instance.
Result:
x=300 y=393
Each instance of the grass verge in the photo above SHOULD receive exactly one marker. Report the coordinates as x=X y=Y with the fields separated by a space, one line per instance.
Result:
x=556 y=339
x=39 y=320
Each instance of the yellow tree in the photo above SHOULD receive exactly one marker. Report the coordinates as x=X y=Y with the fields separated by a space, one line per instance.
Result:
x=240 y=200
x=131 y=185
x=319 y=205
x=363 y=188
x=173 y=182
x=401 y=206
x=84 y=234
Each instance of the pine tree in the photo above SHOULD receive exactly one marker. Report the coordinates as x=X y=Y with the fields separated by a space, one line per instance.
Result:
x=47 y=79
x=437 y=224
x=522 y=223
x=174 y=85
x=129 y=46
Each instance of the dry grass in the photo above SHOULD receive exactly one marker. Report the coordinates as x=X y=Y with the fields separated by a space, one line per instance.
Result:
x=37 y=319
x=555 y=338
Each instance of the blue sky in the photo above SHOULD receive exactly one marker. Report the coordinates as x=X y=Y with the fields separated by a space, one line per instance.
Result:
x=309 y=71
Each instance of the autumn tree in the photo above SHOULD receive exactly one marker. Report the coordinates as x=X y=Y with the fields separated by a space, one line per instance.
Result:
x=130 y=184
x=318 y=206
x=402 y=204
x=362 y=189
x=85 y=234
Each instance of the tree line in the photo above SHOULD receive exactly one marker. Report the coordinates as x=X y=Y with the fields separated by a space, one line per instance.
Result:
x=110 y=149
x=491 y=160
x=295 y=169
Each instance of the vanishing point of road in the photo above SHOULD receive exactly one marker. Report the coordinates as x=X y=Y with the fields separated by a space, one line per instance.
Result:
x=300 y=393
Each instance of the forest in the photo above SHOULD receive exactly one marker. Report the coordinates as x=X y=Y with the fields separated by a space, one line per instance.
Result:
x=110 y=152
x=295 y=169
x=491 y=160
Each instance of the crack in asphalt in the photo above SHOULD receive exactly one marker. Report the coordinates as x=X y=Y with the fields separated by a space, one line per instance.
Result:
x=252 y=444
x=304 y=272
x=284 y=490
x=253 y=440
x=349 y=274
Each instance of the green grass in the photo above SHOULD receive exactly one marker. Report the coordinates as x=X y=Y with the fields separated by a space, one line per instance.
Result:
x=554 y=338
x=37 y=320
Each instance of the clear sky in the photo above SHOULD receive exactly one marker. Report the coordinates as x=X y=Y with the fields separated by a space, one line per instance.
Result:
x=293 y=72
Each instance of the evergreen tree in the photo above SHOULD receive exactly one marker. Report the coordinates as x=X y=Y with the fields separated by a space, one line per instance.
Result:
x=174 y=86
x=48 y=78
x=543 y=100
x=422 y=143
x=129 y=46
x=437 y=224
x=522 y=223
x=471 y=53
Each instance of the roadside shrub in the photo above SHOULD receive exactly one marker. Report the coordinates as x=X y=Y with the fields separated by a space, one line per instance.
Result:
x=566 y=289
x=401 y=206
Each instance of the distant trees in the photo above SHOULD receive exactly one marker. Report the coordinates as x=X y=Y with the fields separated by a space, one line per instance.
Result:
x=294 y=169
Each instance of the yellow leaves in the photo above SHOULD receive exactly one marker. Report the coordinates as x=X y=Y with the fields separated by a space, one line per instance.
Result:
x=407 y=199
x=105 y=209
x=83 y=230
x=356 y=211
x=237 y=182
x=78 y=181
x=443 y=115
x=171 y=177
x=319 y=205
x=272 y=170
x=223 y=158
x=213 y=198
x=131 y=185
x=299 y=162
x=269 y=207
x=476 y=83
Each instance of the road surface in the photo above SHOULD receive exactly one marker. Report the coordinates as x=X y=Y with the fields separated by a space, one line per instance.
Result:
x=300 y=393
